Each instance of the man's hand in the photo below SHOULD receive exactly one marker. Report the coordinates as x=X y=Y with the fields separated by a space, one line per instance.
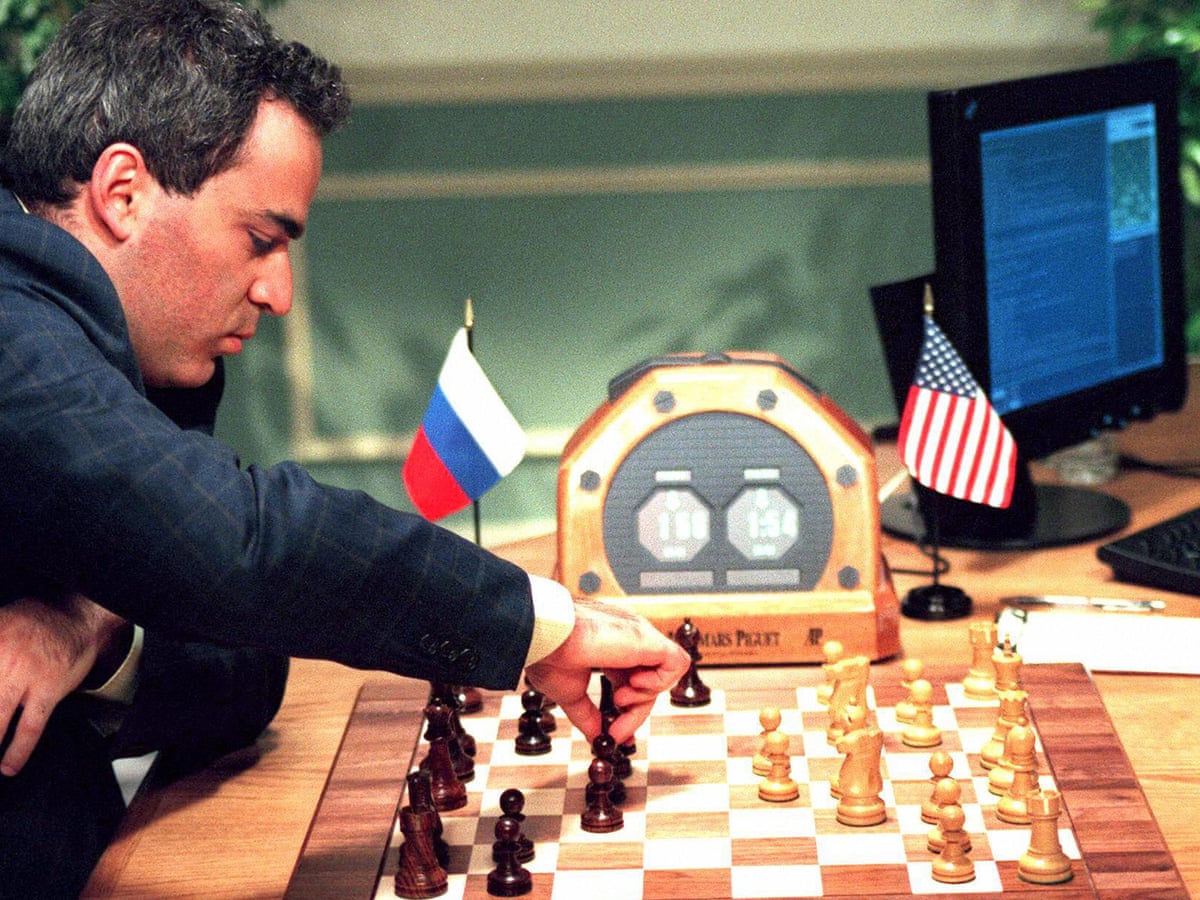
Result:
x=47 y=648
x=638 y=659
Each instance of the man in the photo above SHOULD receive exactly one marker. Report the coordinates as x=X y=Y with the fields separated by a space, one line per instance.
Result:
x=163 y=158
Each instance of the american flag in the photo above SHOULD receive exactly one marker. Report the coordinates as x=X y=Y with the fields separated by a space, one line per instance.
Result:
x=951 y=440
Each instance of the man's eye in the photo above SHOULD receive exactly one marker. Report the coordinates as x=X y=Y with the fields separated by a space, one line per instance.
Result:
x=261 y=245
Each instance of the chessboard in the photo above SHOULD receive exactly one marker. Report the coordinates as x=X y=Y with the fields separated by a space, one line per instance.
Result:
x=694 y=826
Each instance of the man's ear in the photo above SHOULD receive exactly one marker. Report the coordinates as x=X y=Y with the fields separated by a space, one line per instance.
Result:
x=117 y=190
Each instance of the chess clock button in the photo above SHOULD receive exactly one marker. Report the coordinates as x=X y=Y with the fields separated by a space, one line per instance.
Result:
x=726 y=488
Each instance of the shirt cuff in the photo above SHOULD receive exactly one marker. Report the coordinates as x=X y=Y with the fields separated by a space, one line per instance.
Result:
x=553 y=617
x=122 y=684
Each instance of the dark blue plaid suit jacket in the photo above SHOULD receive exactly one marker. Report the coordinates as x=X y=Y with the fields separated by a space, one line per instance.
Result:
x=129 y=499
x=102 y=492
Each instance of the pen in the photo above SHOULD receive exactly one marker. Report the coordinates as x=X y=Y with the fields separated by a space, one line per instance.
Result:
x=1066 y=601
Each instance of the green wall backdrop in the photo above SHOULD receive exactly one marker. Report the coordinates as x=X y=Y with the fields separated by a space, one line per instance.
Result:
x=589 y=235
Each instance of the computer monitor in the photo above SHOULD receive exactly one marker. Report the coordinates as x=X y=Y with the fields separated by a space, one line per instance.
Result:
x=1058 y=240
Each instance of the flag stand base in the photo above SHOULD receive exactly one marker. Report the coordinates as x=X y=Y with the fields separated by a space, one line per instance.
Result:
x=1063 y=514
x=936 y=603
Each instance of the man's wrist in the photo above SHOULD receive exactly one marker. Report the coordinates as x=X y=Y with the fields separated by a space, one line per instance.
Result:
x=114 y=676
x=554 y=617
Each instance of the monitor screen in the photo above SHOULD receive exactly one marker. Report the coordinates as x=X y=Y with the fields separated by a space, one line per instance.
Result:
x=1058 y=244
x=1058 y=239
x=1072 y=254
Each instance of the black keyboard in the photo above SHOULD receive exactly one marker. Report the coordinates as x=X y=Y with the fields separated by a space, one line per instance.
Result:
x=1165 y=555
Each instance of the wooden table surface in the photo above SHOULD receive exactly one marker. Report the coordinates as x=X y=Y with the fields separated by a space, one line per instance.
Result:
x=235 y=830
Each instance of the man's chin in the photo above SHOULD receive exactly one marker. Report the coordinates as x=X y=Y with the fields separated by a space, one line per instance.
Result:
x=191 y=377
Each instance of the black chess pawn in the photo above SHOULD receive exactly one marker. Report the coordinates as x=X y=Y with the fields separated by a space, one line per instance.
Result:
x=601 y=815
x=512 y=804
x=447 y=789
x=690 y=690
x=549 y=723
x=604 y=747
x=509 y=878
x=531 y=739
x=420 y=798
x=419 y=874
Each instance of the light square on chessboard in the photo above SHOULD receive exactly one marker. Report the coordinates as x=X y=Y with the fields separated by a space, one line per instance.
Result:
x=856 y=845
x=690 y=798
x=783 y=821
x=678 y=747
x=767 y=881
x=813 y=741
x=987 y=880
x=545 y=858
x=1010 y=844
x=605 y=885
x=681 y=773
x=700 y=852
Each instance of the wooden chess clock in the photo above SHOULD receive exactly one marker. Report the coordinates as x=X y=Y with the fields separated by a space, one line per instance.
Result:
x=724 y=489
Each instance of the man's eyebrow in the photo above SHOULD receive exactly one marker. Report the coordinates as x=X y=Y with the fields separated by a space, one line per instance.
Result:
x=290 y=226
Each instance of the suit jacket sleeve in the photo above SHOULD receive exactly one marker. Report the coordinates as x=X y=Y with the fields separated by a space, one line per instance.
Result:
x=101 y=492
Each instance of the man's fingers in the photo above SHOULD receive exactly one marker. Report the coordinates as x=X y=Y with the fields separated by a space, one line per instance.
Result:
x=629 y=721
x=583 y=714
x=31 y=722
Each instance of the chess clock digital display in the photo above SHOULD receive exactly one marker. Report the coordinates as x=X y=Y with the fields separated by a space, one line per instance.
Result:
x=725 y=489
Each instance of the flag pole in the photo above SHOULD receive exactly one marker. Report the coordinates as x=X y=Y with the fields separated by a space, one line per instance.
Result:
x=469 y=325
x=935 y=529
x=937 y=601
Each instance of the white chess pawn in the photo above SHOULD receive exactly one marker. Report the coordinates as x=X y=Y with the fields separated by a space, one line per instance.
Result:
x=952 y=865
x=921 y=732
x=940 y=766
x=911 y=670
x=1012 y=710
x=770 y=718
x=947 y=792
x=778 y=786
x=1000 y=776
x=1012 y=807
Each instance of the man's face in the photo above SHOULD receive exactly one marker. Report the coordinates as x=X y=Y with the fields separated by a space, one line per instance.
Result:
x=202 y=269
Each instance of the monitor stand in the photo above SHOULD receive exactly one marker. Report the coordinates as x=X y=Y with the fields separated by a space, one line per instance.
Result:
x=1042 y=515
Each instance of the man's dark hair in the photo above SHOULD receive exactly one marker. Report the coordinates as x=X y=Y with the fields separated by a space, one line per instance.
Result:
x=181 y=80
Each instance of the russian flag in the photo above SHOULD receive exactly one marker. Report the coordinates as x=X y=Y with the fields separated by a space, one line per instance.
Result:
x=468 y=439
